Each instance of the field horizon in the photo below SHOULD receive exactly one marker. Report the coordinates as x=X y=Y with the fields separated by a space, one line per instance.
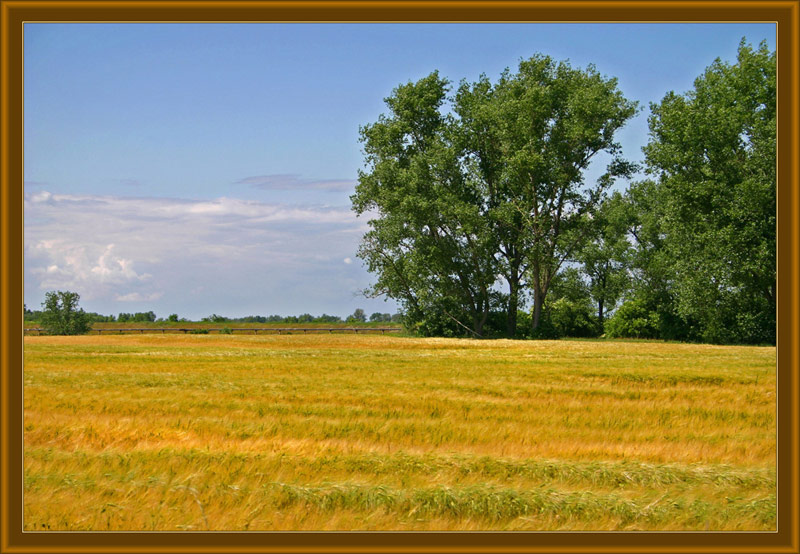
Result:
x=370 y=432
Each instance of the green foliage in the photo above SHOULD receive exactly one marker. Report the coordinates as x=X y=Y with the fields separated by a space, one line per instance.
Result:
x=572 y=319
x=430 y=246
x=325 y=318
x=138 y=316
x=225 y=331
x=633 y=320
x=545 y=330
x=61 y=315
x=172 y=317
x=712 y=153
x=99 y=318
x=198 y=332
x=528 y=140
x=569 y=311
x=495 y=187
x=436 y=321
x=214 y=318
x=605 y=259
x=357 y=317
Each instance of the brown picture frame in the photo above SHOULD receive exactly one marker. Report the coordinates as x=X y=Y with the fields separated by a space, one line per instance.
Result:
x=14 y=13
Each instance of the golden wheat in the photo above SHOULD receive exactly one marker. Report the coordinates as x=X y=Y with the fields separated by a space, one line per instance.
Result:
x=234 y=432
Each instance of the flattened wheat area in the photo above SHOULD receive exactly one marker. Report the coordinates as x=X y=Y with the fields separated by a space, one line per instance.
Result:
x=343 y=432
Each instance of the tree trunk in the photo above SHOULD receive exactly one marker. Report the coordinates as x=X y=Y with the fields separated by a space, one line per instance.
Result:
x=479 y=320
x=537 y=307
x=600 y=311
x=513 y=306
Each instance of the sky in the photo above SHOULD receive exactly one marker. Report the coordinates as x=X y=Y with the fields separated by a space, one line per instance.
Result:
x=206 y=169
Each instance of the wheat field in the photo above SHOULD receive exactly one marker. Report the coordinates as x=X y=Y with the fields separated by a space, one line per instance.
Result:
x=352 y=432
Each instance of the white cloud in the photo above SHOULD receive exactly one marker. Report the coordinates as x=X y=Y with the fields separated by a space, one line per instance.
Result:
x=70 y=265
x=112 y=269
x=43 y=196
x=190 y=254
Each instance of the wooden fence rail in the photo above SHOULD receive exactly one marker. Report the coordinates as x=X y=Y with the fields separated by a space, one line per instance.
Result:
x=255 y=330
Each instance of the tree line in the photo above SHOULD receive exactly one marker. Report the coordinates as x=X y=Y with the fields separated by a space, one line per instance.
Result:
x=61 y=315
x=479 y=205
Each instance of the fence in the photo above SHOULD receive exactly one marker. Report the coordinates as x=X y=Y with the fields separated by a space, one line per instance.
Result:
x=254 y=330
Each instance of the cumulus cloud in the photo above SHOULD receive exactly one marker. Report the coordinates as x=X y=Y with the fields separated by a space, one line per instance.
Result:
x=92 y=268
x=295 y=182
x=135 y=249
x=40 y=197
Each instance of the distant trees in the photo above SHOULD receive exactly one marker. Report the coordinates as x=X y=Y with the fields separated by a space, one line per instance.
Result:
x=214 y=318
x=325 y=318
x=358 y=316
x=61 y=314
x=137 y=317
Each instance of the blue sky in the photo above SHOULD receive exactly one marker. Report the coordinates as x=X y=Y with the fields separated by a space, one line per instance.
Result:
x=198 y=169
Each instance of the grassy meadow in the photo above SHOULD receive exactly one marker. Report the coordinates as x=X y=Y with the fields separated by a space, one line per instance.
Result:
x=352 y=432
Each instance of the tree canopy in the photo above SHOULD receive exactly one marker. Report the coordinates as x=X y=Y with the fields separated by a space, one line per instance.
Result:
x=483 y=185
x=712 y=201
x=61 y=314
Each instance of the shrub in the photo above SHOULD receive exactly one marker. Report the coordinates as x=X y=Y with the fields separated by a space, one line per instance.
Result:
x=198 y=332
x=226 y=331
x=633 y=320
x=545 y=331
x=61 y=315
x=573 y=318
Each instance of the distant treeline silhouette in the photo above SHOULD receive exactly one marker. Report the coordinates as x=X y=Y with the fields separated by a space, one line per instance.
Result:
x=358 y=316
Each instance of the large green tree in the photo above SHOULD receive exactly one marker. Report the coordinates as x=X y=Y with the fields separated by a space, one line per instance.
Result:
x=712 y=156
x=528 y=141
x=428 y=243
x=492 y=188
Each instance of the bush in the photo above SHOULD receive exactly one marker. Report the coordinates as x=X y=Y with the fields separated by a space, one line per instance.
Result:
x=573 y=318
x=198 y=332
x=633 y=320
x=545 y=331
x=226 y=331
x=61 y=315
